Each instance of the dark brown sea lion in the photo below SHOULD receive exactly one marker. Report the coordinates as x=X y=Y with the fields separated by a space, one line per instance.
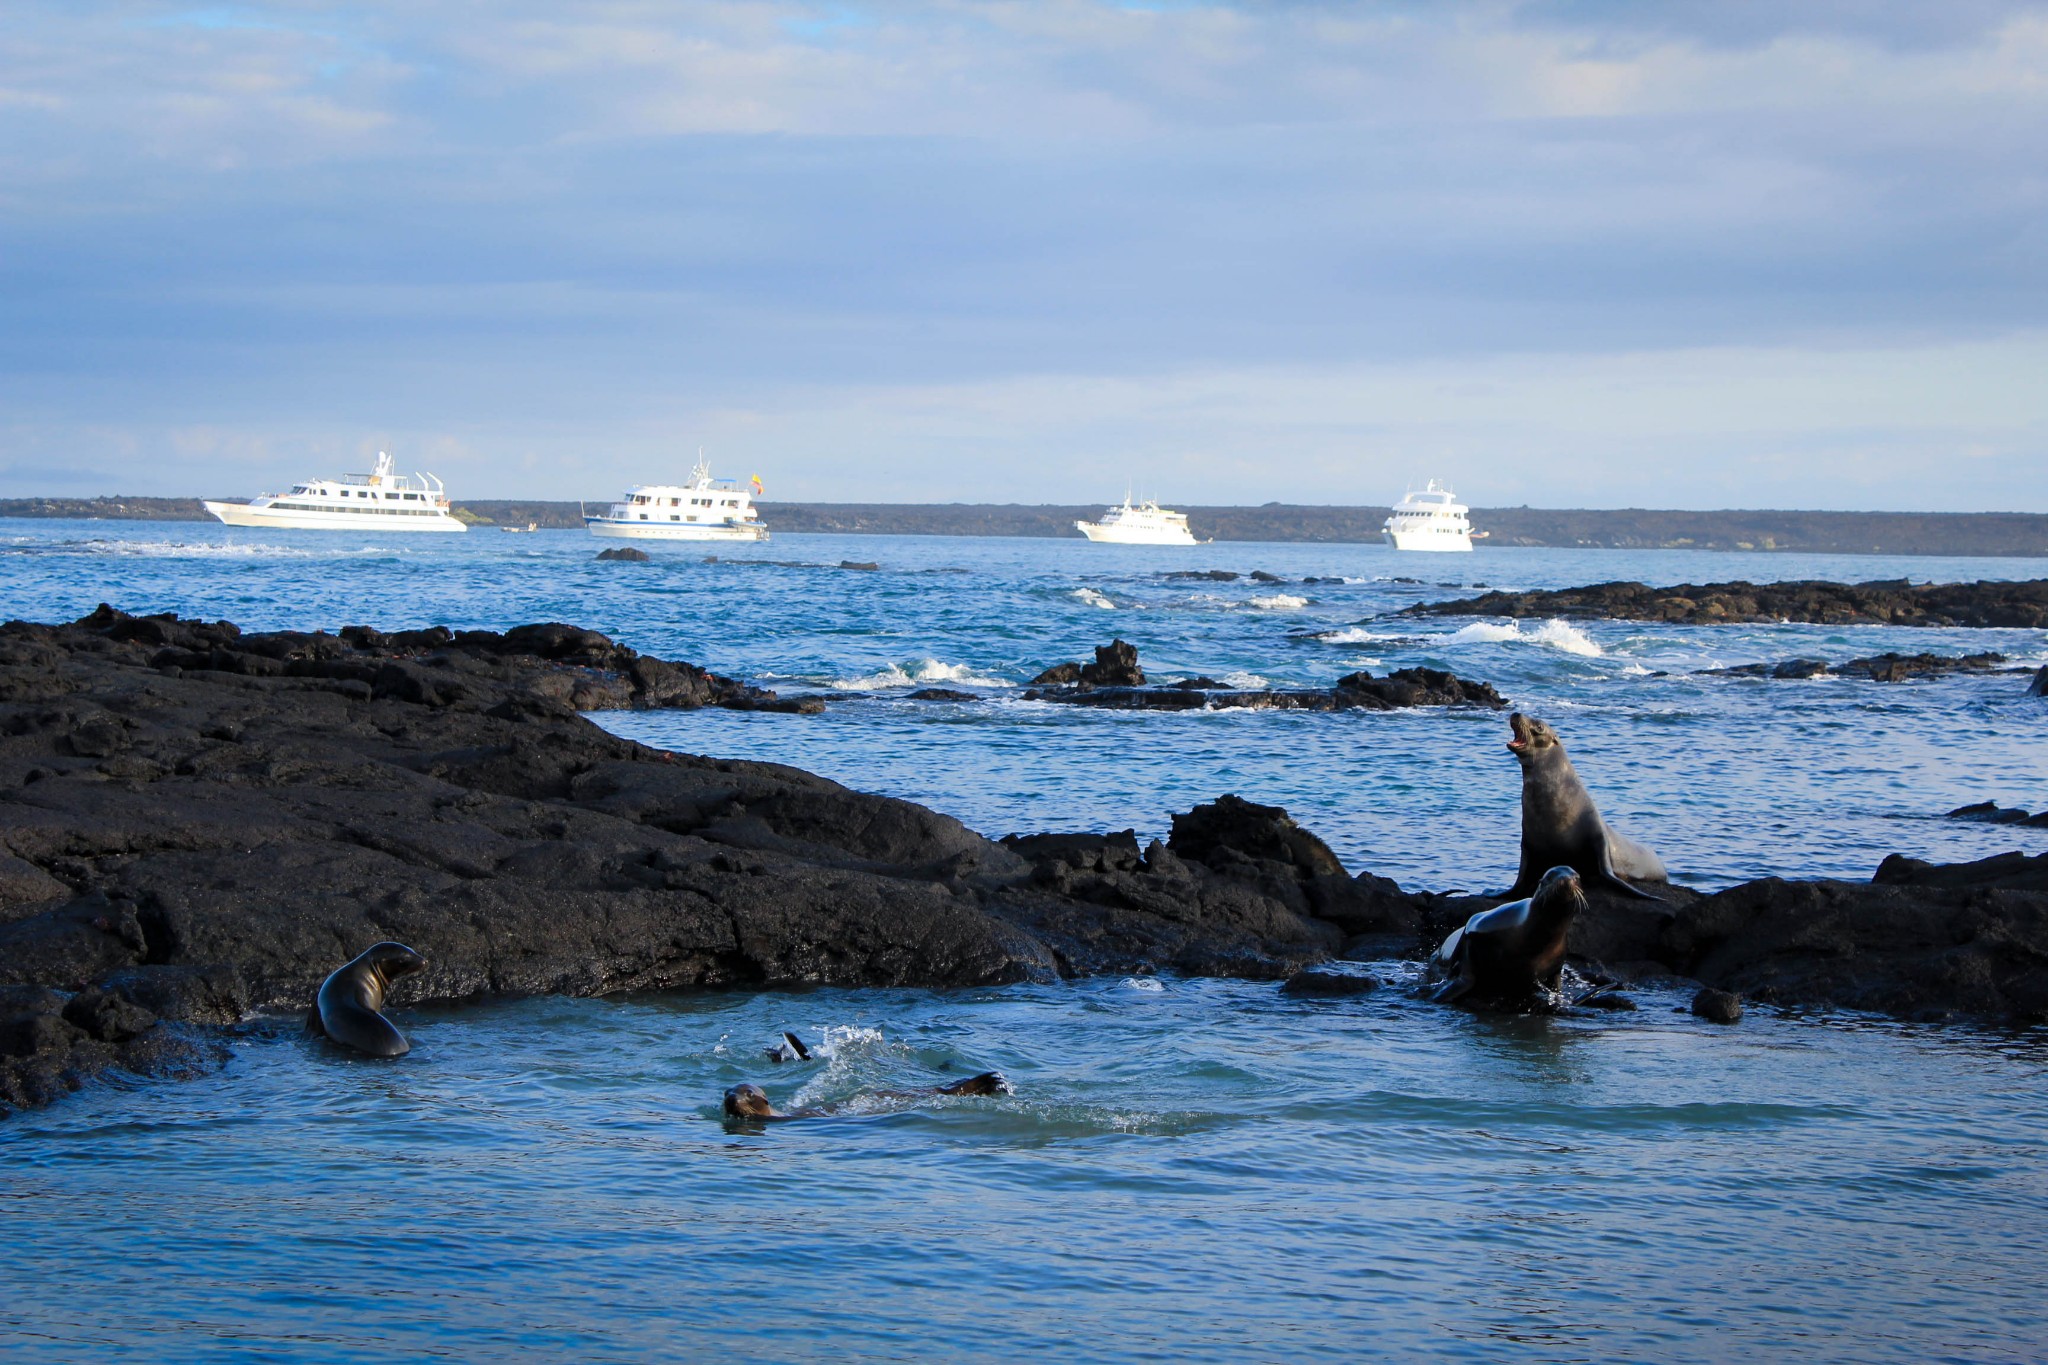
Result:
x=1561 y=826
x=346 y=1009
x=746 y=1101
x=1513 y=954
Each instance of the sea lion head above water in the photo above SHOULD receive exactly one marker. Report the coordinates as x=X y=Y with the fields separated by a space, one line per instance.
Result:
x=1561 y=825
x=747 y=1101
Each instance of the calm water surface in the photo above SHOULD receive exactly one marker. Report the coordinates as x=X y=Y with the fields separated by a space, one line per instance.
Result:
x=1189 y=1170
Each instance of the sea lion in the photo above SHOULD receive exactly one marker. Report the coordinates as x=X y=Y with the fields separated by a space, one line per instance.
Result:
x=746 y=1100
x=1560 y=824
x=790 y=1049
x=1513 y=954
x=346 y=1007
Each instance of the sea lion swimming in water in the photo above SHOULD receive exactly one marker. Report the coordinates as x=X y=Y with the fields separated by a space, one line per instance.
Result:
x=746 y=1101
x=1561 y=826
x=790 y=1049
x=1513 y=954
x=346 y=1009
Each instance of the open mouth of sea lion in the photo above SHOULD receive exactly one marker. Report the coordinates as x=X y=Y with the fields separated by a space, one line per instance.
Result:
x=1518 y=723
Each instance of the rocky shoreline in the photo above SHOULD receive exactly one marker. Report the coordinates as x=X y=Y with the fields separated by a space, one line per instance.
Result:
x=1897 y=602
x=198 y=823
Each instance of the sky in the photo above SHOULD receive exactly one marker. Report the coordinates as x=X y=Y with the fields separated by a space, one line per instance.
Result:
x=1563 y=253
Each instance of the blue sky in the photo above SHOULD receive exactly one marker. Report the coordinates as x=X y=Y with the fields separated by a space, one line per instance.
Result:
x=1706 y=253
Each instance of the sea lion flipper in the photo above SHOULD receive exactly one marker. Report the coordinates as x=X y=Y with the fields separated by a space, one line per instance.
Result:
x=796 y=1044
x=313 y=1024
x=1450 y=992
x=1607 y=881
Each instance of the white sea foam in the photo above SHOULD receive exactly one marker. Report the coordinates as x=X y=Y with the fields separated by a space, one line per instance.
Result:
x=1245 y=681
x=1556 y=634
x=1094 y=598
x=1142 y=983
x=188 y=549
x=1280 y=601
x=923 y=672
x=1353 y=635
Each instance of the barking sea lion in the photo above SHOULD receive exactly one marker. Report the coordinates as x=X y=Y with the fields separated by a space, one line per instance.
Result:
x=746 y=1100
x=346 y=1009
x=1513 y=954
x=1560 y=825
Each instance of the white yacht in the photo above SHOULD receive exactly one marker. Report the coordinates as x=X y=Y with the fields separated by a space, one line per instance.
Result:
x=1433 y=519
x=702 y=509
x=1145 y=523
x=381 y=500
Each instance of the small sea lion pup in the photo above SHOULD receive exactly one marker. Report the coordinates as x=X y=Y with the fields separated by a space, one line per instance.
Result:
x=745 y=1100
x=346 y=1009
x=1560 y=825
x=1513 y=954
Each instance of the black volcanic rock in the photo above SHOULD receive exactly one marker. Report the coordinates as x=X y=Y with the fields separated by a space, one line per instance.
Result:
x=2039 y=687
x=1102 y=684
x=1878 y=668
x=1918 y=940
x=1895 y=602
x=625 y=554
x=197 y=822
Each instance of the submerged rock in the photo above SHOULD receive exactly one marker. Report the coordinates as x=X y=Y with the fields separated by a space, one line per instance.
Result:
x=1329 y=983
x=1717 y=1007
x=625 y=554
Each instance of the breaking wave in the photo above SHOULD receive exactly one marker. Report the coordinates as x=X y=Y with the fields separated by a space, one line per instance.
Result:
x=1094 y=598
x=922 y=672
x=1279 y=601
x=1561 y=635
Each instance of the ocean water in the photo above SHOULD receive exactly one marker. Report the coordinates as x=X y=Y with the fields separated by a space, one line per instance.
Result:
x=1188 y=1170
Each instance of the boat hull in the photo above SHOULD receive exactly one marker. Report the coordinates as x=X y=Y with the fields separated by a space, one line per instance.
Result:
x=1118 y=535
x=244 y=514
x=656 y=530
x=1438 y=541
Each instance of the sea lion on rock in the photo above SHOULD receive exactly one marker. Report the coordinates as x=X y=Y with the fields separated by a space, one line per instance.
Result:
x=346 y=1009
x=1560 y=825
x=1513 y=954
x=746 y=1100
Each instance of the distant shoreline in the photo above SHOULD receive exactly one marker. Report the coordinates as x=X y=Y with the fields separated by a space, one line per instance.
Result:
x=2014 y=534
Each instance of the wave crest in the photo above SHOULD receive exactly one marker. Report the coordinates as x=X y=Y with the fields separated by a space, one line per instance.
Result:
x=1560 y=635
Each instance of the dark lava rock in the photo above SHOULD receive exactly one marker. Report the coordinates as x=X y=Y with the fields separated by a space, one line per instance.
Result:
x=1097 y=685
x=1261 y=576
x=2039 y=687
x=860 y=564
x=1893 y=602
x=942 y=694
x=1918 y=940
x=1889 y=668
x=1608 y=1000
x=1328 y=983
x=625 y=554
x=1116 y=665
x=1263 y=847
x=1717 y=1007
x=1203 y=575
x=283 y=800
x=1991 y=813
